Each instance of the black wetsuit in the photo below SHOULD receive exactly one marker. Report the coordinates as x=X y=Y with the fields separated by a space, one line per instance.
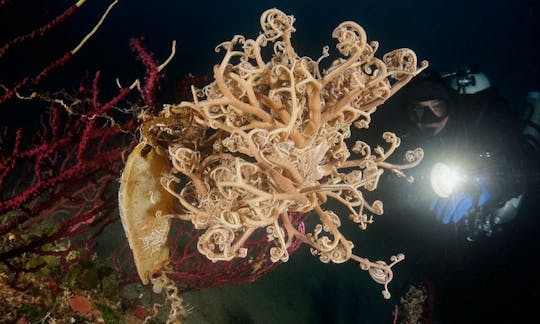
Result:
x=484 y=281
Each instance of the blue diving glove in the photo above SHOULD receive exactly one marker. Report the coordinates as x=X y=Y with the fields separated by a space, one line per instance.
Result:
x=455 y=207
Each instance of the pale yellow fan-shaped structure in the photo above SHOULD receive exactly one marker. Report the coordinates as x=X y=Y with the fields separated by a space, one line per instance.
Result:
x=142 y=201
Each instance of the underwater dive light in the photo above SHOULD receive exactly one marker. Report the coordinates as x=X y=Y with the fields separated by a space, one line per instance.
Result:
x=444 y=179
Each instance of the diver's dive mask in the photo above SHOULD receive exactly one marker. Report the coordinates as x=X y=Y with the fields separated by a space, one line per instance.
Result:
x=428 y=112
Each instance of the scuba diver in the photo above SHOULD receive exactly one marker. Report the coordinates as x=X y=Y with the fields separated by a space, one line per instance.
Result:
x=475 y=156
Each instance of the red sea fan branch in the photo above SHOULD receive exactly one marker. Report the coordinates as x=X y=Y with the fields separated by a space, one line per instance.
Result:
x=152 y=69
x=41 y=31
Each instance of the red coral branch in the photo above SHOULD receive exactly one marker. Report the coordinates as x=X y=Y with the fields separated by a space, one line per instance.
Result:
x=193 y=271
x=149 y=89
x=60 y=184
x=38 y=32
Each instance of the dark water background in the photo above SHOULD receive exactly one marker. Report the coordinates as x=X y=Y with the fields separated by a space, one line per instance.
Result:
x=491 y=281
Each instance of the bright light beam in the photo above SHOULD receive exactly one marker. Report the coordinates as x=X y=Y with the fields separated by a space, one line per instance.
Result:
x=444 y=179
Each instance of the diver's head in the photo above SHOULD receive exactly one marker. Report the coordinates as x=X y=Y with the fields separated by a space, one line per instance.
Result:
x=428 y=103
